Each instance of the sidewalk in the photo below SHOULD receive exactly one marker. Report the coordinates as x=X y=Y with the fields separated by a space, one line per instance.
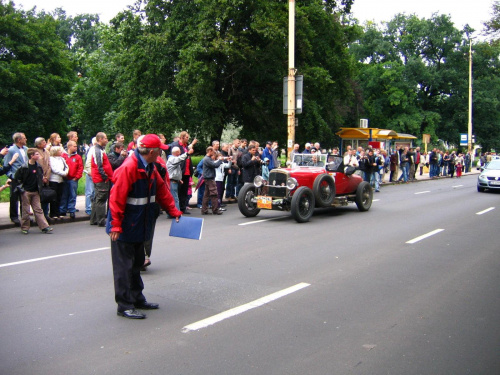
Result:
x=5 y=222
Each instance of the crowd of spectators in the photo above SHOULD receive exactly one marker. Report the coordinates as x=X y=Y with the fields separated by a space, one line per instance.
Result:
x=223 y=171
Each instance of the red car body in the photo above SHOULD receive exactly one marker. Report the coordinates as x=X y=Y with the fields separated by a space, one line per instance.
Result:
x=312 y=181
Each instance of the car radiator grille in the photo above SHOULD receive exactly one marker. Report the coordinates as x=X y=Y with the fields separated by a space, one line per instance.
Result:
x=277 y=184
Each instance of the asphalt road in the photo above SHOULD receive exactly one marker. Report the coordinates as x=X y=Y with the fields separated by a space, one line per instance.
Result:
x=371 y=295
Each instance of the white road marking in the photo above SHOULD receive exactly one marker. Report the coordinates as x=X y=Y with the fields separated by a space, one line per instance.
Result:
x=420 y=238
x=423 y=192
x=484 y=211
x=243 y=308
x=52 y=257
x=260 y=221
x=457 y=186
x=375 y=200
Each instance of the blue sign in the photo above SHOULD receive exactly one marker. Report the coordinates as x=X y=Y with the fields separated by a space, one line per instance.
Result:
x=464 y=137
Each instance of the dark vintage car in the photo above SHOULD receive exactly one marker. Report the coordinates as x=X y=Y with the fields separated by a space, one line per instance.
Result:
x=313 y=180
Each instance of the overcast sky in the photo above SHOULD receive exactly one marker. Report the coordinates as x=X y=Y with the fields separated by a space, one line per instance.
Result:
x=475 y=13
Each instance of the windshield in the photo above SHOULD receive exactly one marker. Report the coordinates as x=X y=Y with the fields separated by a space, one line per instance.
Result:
x=494 y=164
x=309 y=160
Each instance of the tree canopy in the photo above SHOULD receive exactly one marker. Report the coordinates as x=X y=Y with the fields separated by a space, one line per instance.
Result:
x=35 y=74
x=206 y=65
x=414 y=76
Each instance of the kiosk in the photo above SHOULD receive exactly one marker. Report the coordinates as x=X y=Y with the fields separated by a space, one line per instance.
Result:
x=377 y=138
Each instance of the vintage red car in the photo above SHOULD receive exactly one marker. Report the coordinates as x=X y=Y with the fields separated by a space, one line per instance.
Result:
x=313 y=180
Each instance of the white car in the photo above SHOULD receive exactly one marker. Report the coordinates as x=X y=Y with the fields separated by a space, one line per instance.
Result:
x=489 y=178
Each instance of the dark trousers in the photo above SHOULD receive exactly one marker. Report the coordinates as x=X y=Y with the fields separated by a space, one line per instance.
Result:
x=232 y=182
x=183 y=192
x=148 y=245
x=15 y=200
x=220 y=191
x=54 y=206
x=99 y=213
x=210 y=194
x=127 y=259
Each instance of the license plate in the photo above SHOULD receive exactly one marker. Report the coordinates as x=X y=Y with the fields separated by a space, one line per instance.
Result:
x=494 y=182
x=264 y=202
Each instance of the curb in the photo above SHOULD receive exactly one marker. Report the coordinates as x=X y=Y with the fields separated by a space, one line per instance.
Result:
x=64 y=220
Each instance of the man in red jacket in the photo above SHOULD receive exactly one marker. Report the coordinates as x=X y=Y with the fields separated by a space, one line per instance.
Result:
x=137 y=188
x=101 y=172
x=75 y=164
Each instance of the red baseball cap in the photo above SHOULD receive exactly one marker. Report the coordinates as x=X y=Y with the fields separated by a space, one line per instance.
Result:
x=153 y=141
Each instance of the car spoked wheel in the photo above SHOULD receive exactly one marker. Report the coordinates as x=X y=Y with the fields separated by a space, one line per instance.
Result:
x=364 y=196
x=246 y=201
x=324 y=190
x=302 y=204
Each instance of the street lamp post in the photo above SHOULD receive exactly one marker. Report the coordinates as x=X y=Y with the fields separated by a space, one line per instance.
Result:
x=469 y=127
x=291 y=77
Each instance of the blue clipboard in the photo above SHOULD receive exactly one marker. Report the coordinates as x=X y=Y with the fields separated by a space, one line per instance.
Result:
x=187 y=227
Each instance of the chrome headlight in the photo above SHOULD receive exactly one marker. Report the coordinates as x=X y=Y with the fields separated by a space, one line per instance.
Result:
x=483 y=177
x=291 y=183
x=258 y=181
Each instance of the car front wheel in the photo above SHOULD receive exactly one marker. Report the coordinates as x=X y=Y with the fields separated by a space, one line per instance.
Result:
x=364 y=196
x=324 y=190
x=302 y=204
x=480 y=189
x=246 y=202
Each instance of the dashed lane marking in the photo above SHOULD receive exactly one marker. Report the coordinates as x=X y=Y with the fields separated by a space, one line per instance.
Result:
x=260 y=221
x=243 y=308
x=51 y=257
x=424 y=236
x=423 y=192
x=484 y=211
x=457 y=186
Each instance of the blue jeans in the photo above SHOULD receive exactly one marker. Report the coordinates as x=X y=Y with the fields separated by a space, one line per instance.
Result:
x=405 y=169
x=367 y=176
x=89 y=193
x=68 y=199
x=375 y=180
x=174 y=189
x=201 y=192
x=434 y=169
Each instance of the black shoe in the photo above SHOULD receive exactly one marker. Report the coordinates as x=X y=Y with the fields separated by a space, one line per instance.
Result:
x=147 y=306
x=204 y=213
x=16 y=221
x=131 y=314
x=77 y=210
x=222 y=209
x=102 y=223
x=62 y=214
x=218 y=212
x=72 y=215
x=223 y=205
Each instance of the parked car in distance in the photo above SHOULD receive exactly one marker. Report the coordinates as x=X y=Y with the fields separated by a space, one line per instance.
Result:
x=313 y=180
x=489 y=178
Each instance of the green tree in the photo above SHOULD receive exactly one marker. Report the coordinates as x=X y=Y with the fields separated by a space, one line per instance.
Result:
x=35 y=74
x=201 y=65
x=414 y=76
